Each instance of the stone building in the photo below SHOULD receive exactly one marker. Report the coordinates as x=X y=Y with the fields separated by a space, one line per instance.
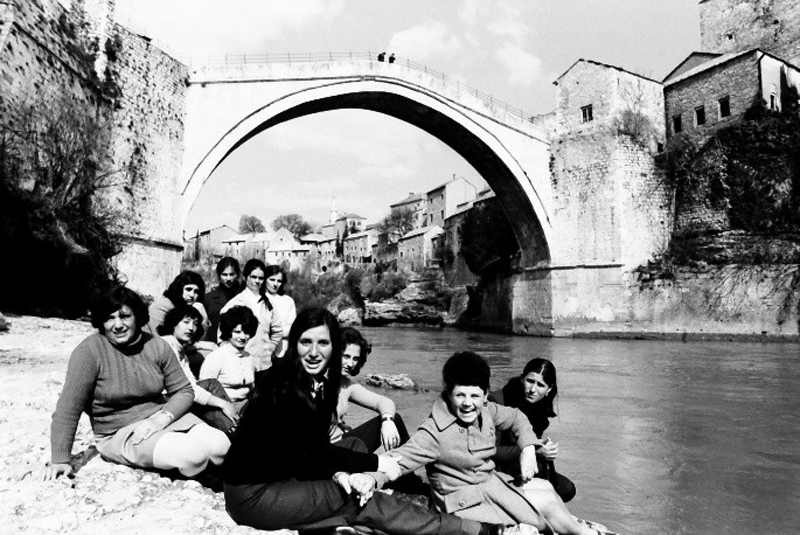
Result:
x=358 y=247
x=735 y=25
x=708 y=91
x=415 y=250
x=416 y=202
x=610 y=125
x=207 y=244
x=443 y=200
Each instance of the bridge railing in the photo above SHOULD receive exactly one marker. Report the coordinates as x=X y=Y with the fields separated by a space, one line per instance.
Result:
x=313 y=57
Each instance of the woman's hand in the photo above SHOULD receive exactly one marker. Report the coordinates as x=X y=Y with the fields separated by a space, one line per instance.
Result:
x=148 y=426
x=229 y=410
x=527 y=463
x=363 y=485
x=390 y=436
x=549 y=450
x=343 y=479
x=388 y=465
x=52 y=471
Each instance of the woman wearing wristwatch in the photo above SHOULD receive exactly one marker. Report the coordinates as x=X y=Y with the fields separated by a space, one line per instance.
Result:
x=387 y=429
x=136 y=395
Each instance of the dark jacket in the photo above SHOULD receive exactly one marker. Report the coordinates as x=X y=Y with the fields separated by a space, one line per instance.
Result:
x=214 y=301
x=284 y=436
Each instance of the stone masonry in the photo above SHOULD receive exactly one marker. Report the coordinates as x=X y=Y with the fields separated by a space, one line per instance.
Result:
x=771 y=25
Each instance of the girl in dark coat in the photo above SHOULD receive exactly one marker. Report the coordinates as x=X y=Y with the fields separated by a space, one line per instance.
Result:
x=533 y=393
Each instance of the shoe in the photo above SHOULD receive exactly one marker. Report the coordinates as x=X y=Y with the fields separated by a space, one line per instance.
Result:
x=521 y=529
x=492 y=529
x=598 y=527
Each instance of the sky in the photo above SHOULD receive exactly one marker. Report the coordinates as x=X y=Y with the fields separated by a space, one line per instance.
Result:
x=360 y=161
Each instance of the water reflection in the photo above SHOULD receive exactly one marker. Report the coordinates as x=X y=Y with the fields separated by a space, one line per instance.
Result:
x=659 y=437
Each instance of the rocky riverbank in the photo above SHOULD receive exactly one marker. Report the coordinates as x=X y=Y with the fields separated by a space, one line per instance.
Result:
x=103 y=498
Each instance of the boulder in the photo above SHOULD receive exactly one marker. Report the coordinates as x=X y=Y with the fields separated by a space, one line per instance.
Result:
x=339 y=303
x=350 y=317
x=376 y=314
x=399 y=381
x=4 y=323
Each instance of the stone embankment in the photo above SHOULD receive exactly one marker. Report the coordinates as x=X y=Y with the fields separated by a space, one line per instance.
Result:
x=102 y=498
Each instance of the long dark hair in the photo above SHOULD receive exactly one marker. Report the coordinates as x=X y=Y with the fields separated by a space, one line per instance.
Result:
x=548 y=371
x=292 y=378
x=225 y=263
x=252 y=265
x=274 y=270
x=354 y=336
x=174 y=291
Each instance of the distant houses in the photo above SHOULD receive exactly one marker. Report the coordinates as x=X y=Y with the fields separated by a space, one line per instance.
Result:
x=349 y=239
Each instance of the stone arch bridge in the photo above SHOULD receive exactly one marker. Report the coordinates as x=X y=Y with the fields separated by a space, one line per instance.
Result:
x=228 y=103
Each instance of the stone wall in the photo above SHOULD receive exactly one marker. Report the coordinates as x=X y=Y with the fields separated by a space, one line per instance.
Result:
x=48 y=51
x=42 y=58
x=772 y=25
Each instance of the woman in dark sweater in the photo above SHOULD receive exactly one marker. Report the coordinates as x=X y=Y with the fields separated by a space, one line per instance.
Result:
x=533 y=393
x=283 y=473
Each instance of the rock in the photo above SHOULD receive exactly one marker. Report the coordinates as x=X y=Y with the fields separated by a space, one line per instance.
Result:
x=459 y=303
x=400 y=381
x=350 y=317
x=4 y=323
x=376 y=314
x=339 y=303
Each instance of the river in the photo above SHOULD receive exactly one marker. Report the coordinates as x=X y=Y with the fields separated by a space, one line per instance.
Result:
x=659 y=437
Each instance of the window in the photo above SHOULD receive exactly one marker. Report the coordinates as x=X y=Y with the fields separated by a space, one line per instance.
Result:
x=586 y=113
x=700 y=115
x=677 y=124
x=724 y=107
x=772 y=102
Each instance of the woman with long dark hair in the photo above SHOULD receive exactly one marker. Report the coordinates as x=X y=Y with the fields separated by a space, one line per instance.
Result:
x=282 y=472
x=534 y=393
x=283 y=304
x=267 y=340
x=187 y=288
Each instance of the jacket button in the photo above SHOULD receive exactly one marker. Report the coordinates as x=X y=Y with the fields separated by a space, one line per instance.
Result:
x=462 y=503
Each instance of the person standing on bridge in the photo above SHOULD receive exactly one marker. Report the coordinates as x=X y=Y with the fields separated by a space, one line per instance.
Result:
x=391 y=58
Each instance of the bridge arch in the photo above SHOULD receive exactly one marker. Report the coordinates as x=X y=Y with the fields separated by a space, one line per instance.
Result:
x=513 y=161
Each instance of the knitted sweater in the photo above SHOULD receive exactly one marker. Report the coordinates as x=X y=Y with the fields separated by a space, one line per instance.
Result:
x=234 y=371
x=117 y=386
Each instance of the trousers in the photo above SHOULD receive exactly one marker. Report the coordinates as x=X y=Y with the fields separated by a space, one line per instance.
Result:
x=310 y=505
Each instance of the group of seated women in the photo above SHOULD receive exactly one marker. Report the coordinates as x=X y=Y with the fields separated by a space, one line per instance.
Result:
x=291 y=461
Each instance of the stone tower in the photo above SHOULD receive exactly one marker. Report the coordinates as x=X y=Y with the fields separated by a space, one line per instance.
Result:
x=771 y=25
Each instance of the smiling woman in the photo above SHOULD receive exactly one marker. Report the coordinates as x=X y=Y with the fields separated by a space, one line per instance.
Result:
x=136 y=395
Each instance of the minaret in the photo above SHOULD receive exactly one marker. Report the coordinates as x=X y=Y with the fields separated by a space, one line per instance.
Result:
x=334 y=211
